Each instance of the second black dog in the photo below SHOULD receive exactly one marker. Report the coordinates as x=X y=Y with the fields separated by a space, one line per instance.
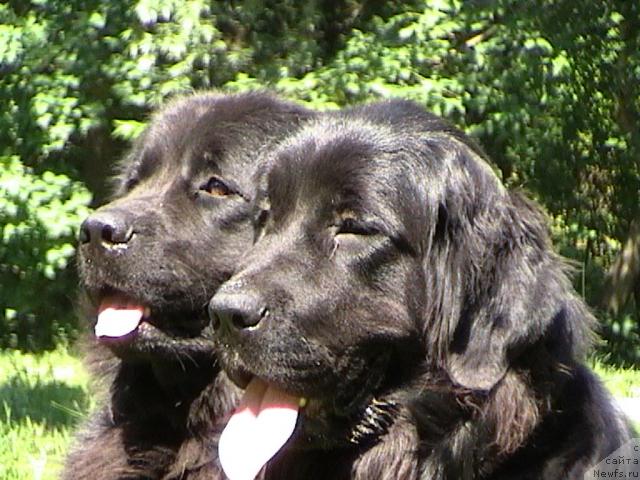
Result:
x=403 y=316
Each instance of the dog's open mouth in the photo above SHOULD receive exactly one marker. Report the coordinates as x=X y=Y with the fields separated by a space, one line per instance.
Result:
x=260 y=426
x=287 y=409
x=267 y=417
x=119 y=317
x=133 y=328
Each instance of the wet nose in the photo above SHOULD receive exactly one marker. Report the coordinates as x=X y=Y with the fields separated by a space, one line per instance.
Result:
x=236 y=311
x=107 y=229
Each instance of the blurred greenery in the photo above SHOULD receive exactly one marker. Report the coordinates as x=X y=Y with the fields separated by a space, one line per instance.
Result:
x=42 y=399
x=551 y=88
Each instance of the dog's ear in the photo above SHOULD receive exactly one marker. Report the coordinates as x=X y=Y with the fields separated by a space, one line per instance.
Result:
x=505 y=303
x=495 y=287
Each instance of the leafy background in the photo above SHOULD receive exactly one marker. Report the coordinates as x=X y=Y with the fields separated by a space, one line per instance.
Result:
x=550 y=88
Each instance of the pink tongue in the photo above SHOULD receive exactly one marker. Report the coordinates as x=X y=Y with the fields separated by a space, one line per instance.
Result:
x=260 y=426
x=116 y=320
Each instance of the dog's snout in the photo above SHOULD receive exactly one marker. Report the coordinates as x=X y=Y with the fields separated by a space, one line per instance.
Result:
x=107 y=228
x=236 y=311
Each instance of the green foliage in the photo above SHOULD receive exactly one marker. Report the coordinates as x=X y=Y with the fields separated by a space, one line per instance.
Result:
x=550 y=88
x=38 y=216
x=621 y=382
x=42 y=398
x=405 y=55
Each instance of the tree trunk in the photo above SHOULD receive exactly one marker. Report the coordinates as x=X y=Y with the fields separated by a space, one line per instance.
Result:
x=623 y=276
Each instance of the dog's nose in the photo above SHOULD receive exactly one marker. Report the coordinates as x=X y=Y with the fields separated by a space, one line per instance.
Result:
x=106 y=228
x=236 y=311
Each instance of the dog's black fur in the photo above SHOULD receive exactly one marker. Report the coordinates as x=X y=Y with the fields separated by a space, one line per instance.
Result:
x=178 y=222
x=418 y=305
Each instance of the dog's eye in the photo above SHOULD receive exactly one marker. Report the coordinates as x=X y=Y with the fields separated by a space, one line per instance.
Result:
x=216 y=187
x=355 y=227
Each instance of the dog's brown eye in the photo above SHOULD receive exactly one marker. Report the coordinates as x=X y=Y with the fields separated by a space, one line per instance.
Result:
x=216 y=187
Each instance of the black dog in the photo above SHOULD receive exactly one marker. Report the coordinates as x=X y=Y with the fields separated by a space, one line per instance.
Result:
x=402 y=316
x=150 y=260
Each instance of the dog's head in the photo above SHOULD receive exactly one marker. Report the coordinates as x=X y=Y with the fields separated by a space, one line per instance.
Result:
x=152 y=257
x=387 y=253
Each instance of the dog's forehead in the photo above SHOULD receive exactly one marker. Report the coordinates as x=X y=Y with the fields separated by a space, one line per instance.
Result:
x=335 y=163
x=192 y=142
